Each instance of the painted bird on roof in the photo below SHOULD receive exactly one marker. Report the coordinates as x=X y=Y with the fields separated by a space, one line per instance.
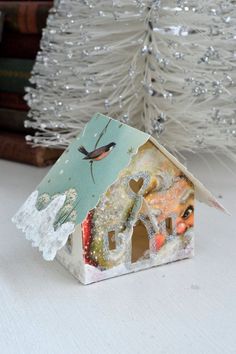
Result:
x=97 y=154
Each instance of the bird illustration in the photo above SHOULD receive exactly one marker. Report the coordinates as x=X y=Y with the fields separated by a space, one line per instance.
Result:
x=97 y=154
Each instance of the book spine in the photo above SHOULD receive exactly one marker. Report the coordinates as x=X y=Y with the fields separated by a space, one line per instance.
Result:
x=14 y=147
x=12 y=100
x=1 y=24
x=25 y=16
x=13 y=120
x=15 y=74
x=28 y=0
x=18 y=45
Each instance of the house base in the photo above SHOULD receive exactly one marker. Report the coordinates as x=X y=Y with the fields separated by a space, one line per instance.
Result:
x=87 y=274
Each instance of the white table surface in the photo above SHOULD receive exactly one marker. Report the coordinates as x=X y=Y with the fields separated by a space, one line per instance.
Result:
x=184 y=307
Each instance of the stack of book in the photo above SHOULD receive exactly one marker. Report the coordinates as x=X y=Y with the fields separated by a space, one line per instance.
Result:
x=21 y=24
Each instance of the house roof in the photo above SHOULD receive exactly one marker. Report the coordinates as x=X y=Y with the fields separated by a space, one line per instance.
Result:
x=90 y=180
x=72 y=171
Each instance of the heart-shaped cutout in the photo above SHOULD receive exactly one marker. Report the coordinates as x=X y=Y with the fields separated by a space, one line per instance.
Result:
x=135 y=186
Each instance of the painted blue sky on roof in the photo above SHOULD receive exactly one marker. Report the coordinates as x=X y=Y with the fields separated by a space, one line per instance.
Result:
x=91 y=177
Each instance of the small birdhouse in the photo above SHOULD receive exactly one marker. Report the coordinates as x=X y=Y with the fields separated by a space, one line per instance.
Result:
x=115 y=202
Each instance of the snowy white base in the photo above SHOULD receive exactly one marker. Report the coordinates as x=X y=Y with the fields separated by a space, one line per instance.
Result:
x=87 y=274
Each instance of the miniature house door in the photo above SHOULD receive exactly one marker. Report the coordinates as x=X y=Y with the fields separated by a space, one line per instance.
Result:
x=140 y=244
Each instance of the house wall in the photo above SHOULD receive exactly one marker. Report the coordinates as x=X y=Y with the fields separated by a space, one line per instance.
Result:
x=142 y=211
x=165 y=193
x=73 y=260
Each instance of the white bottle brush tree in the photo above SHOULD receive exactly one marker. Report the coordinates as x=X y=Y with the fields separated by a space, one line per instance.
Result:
x=166 y=67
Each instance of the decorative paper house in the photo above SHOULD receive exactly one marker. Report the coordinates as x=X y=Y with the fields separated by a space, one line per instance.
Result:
x=115 y=202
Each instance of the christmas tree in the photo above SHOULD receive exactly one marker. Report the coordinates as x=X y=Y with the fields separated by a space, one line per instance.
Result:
x=166 y=67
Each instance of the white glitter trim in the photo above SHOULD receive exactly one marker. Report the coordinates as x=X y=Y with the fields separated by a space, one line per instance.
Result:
x=38 y=225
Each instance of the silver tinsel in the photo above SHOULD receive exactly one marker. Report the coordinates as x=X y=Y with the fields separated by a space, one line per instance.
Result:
x=166 y=67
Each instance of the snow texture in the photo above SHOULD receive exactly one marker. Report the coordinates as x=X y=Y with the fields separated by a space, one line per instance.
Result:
x=38 y=225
